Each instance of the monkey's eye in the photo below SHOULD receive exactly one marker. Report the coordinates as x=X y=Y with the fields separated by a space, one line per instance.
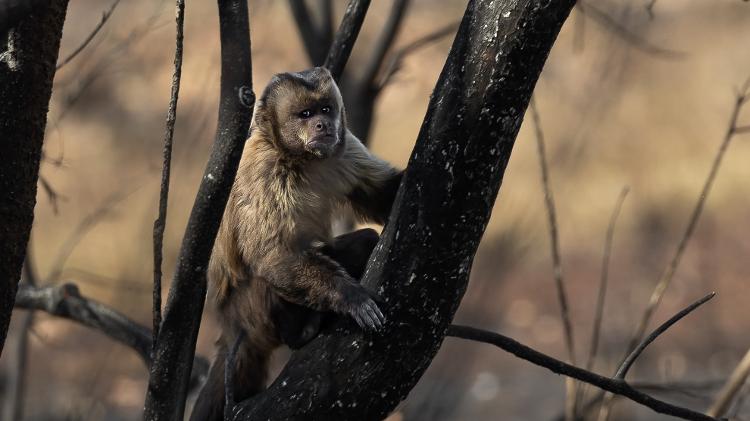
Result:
x=325 y=110
x=305 y=114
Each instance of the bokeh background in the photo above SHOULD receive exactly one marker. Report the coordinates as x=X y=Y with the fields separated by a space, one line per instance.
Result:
x=630 y=97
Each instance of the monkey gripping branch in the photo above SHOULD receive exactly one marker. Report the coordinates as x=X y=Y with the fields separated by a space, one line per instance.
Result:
x=421 y=265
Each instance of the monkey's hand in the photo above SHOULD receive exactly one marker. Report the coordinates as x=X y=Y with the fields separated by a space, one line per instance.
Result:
x=360 y=304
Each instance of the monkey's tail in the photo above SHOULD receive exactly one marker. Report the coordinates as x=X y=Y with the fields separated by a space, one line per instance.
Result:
x=251 y=369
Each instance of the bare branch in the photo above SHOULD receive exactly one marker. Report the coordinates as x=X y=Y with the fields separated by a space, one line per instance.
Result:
x=613 y=385
x=398 y=57
x=385 y=41
x=311 y=37
x=599 y=313
x=161 y=220
x=18 y=360
x=105 y=17
x=730 y=389
x=622 y=371
x=51 y=193
x=169 y=378
x=666 y=277
x=668 y=273
x=608 y=22
x=83 y=227
x=66 y=301
x=570 y=387
x=343 y=42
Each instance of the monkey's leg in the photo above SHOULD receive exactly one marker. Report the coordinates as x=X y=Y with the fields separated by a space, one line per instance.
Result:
x=298 y=325
x=251 y=369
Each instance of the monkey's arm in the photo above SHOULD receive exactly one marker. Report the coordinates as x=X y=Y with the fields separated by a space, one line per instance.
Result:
x=314 y=280
x=375 y=182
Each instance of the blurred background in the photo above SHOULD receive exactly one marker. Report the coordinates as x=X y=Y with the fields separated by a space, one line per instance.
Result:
x=631 y=95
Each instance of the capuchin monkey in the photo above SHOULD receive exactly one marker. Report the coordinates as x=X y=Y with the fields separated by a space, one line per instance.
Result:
x=275 y=266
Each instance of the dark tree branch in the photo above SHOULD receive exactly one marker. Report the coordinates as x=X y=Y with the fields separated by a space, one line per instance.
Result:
x=66 y=301
x=622 y=371
x=384 y=42
x=167 y=389
x=613 y=385
x=105 y=17
x=161 y=220
x=343 y=42
x=18 y=361
x=13 y=11
x=27 y=67
x=326 y=24
x=312 y=38
x=422 y=263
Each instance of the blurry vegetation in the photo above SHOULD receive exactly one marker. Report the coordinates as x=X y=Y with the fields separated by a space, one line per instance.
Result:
x=614 y=115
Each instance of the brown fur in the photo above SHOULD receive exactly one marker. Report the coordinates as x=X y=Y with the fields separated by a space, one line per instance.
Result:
x=271 y=250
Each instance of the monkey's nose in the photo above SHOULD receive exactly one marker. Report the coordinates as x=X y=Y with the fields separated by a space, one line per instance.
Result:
x=320 y=126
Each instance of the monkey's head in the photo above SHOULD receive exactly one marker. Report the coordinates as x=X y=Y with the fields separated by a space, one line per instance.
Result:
x=303 y=114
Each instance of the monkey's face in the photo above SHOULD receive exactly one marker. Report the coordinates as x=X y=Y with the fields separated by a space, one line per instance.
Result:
x=308 y=113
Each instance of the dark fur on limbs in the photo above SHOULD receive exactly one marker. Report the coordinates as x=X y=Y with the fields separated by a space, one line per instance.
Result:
x=275 y=266
x=296 y=325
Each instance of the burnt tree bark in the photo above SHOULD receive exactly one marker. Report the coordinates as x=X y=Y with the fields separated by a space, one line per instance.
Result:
x=422 y=263
x=175 y=344
x=27 y=67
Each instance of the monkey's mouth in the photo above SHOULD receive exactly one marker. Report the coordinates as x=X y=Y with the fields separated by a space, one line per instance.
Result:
x=322 y=146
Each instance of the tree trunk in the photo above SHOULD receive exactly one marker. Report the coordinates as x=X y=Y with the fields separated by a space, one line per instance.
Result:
x=27 y=67
x=421 y=266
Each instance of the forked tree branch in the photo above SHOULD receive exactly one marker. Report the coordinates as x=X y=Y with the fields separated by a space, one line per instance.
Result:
x=173 y=358
x=160 y=223
x=422 y=262
x=66 y=301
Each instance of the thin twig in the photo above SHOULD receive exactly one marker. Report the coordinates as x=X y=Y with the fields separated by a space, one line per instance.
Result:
x=398 y=56
x=570 y=386
x=616 y=386
x=66 y=301
x=52 y=195
x=599 y=313
x=669 y=271
x=608 y=22
x=83 y=227
x=385 y=41
x=105 y=17
x=730 y=389
x=622 y=371
x=603 y=283
x=343 y=42
x=161 y=220
x=229 y=368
